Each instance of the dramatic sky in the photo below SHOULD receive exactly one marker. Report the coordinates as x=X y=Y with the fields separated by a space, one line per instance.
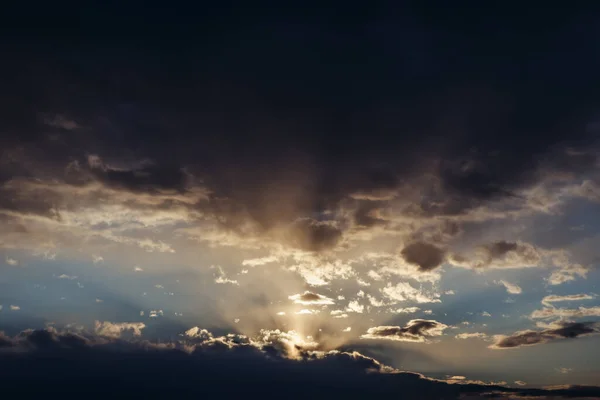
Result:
x=336 y=201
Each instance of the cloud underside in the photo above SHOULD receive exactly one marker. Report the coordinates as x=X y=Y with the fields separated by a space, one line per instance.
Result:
x=560 y=331
x=232 y=365
x=416 y=330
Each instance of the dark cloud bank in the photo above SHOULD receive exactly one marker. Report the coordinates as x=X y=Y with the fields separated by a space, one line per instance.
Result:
x=46 y=362
x=287 y=114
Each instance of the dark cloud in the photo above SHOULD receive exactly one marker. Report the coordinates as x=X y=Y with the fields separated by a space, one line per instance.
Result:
x=311 y=298
x=214 y=367
x=314 y=235
x=567 y=330
x=424 y=255
x=500 y=254
x=149 y=178
x=499 y=249
x=417 y=330
x=278 y=128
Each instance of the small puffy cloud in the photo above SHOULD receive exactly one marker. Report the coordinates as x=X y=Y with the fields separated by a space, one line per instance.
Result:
x=310 y=298
x=14 y=308
x=99 y=301
x=97 y=259
x=348 y=329
x=406 y=310
x=338 y=314
x=65 y=276
x=564 y=370
x=221 y=277
x=472 y=335
x=137 y=269
x=416 y=330
x=449 y=292
x=486 y=314
x=553 y=298
x=259 y=261
x=568 y=330
x=403 y=291
x=118 y=329
x=306 y=311
x=355 y=306
x=510 y=287
x=156 y=313
x=424 y=255
x=520 y=383
x=581 y=312
x=11 y=261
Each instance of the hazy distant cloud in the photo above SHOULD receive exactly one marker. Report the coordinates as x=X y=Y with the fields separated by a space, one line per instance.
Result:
x=97 y=259
x=14 y=308
x=11 y=261
x=567 y=330
x=564 y=370
x=416 y=330
x=546 y=313
x=307 y=298
x=553 y=298
x=137 y=269
x=510 y=287
x=60 y=121
x=65 y=276
x=426 y=256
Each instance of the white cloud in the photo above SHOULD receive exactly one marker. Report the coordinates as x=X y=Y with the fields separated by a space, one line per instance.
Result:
x=117 y=329
x=339 y=314
x=403 y=291
x=306 y=311
x=580 y=312
x=406 y=310
x=348 y=329
x=355 y=306
x=473 y=335
x=221 y=278
x=14 y=308
x=137 y=269
x=570 y=297
x=65 y=276
x=97 y=259
x=510 y=287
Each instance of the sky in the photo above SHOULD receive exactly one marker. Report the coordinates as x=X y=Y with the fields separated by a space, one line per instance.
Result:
x=292 y=201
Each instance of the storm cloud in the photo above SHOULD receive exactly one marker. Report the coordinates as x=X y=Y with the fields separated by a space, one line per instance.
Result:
x=227 y=366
